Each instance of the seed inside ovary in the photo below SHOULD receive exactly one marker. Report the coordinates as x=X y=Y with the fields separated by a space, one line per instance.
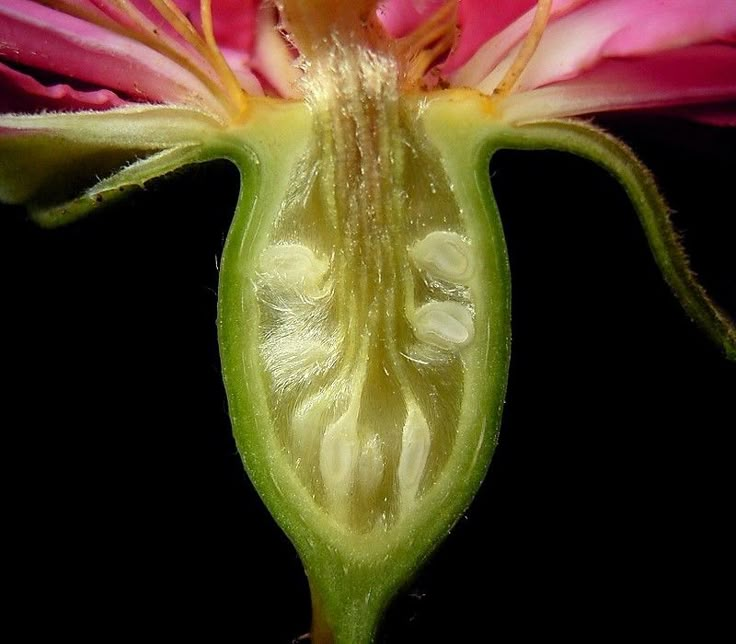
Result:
x=338 y=460
x=415 y=443
x=444 y=255
x=447 y=325
x=307 y=425
x=293 y=265
x=340 y=448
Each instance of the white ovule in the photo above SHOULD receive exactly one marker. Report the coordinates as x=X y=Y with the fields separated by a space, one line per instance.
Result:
x=447 y=325
x=444 y=255
x=415 y=443
x=338 y=456
x=293 y=265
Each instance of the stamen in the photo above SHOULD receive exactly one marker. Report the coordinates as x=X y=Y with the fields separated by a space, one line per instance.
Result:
x=182 y=26
x=205 y=11
x=123 y=17
x=218 y=60
x=427 y=43
x=528 y=47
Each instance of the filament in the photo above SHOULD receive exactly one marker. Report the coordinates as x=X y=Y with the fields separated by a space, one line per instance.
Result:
x=528 y=47
x=218 y=60
x=208 y=50
x=123 y=17
x=423 y=46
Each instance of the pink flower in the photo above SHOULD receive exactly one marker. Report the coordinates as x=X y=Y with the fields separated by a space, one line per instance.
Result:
x=595 y=55
x=364 y=300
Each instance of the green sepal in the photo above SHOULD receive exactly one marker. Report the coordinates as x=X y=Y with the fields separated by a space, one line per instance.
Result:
x=590 y=142
x=62 y=166
x=132 y=177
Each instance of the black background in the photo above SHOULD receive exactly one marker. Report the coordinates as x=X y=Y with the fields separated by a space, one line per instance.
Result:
x=605 y=511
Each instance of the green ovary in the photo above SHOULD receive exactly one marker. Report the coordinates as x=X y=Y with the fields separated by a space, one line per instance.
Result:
x=367 y=283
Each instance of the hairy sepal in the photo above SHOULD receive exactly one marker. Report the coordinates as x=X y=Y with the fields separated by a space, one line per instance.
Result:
x=63 y=166
x=592 y=143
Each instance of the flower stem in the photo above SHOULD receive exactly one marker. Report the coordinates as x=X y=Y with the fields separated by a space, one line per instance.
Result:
x=322 y=632
x=347 y=618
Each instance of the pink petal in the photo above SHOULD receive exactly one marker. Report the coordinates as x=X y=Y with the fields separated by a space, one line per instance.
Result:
x=137 y=19
x=148 y=21
x=722 y=115
x=400 y=17
x=234 y=21
x=479 y=22
x=480 y=49
x=241 y=65
x=111 y=14
x=234 y=25
x=96 y=9
x=273 y=58
x=22 y=93
x=601 y=29
x=616 y=28
x=698 y=76
x=50 y=40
